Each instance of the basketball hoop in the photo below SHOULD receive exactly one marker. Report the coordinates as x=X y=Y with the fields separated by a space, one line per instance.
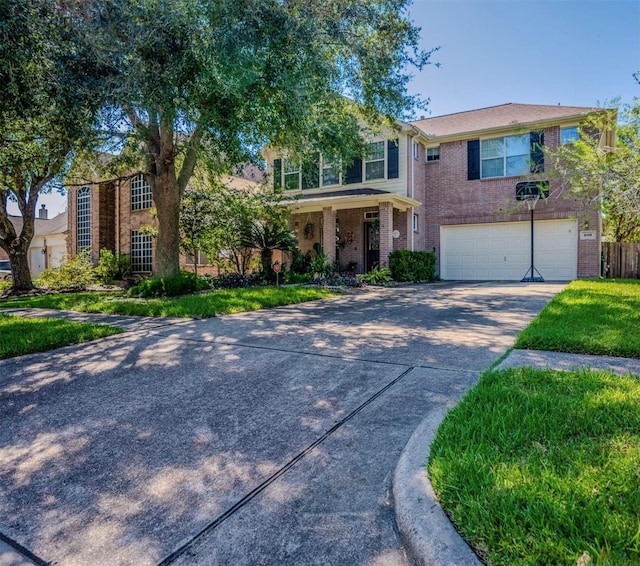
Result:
x=531 y=200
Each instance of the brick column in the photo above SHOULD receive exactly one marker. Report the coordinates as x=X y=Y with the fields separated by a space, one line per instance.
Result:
x=329 y=233
x=386 y=229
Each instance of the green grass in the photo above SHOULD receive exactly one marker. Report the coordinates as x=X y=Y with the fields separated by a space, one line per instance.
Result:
x=537 y=467
x=196 y=306
x=19 y=336
x=589 y=317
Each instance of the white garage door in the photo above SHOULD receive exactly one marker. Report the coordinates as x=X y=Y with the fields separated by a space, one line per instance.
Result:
x=480 y=252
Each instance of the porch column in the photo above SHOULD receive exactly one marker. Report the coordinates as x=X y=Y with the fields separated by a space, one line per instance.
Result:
x=386 y=228
x=329 y=233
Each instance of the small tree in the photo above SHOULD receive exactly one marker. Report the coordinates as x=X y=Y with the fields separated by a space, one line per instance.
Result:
x=266 y=238
x=593 y=169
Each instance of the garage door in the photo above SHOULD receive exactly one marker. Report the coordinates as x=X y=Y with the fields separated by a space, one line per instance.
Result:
x=480 y=252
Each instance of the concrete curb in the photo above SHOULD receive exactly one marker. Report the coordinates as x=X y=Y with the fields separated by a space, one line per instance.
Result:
x=425 y=529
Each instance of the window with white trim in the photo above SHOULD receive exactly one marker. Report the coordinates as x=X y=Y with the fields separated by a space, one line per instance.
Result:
x=141 y=252
x=330 y=174
x=432 y=154
x=569 y=135
x=505 y=157
x=291 y=172
x=374 y=161
x=83 y=218
x=416 y=150
x=415 y=222
x=140 y=193
x=203 y=259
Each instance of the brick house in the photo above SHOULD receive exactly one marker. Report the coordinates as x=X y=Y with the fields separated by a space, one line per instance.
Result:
x=447 y=184
x=112 y=215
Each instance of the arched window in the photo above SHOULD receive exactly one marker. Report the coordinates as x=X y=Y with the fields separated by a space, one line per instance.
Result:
x=140 y=193
x=83 y=230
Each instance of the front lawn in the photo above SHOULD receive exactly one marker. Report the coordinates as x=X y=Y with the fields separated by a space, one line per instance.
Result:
x=600 y=317
x=196 y=306
x=539 y=467
x=19 y=336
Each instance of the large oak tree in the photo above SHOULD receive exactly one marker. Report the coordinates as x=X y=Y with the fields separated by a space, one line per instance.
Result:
x=213 y=81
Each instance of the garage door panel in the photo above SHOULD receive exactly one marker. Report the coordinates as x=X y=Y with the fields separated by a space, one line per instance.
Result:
x=503 y=250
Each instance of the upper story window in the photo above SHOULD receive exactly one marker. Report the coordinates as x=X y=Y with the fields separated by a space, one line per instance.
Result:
x=330 y=174
x=416 y=150
x=374 y=161
x=291 y=175
x=505 y=157
x=432 y=154
x=83 y=217
x=140 y=193
x=569 y=135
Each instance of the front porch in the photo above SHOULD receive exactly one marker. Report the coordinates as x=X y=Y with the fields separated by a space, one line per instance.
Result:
x=357 y=229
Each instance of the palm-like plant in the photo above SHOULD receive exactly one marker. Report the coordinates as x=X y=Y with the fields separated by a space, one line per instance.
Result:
x=266 y=238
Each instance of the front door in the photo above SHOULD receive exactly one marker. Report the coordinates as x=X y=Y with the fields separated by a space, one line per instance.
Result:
x=371 y=245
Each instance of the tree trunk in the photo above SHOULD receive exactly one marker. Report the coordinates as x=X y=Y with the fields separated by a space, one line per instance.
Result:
x=266 y=257
x=166 y=196
x=20 y=266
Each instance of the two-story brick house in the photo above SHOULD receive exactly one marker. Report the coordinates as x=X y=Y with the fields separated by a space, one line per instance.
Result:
x=113 y=215
x=448 y=184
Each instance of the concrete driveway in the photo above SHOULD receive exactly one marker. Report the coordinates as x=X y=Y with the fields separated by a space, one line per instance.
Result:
x=262 y=438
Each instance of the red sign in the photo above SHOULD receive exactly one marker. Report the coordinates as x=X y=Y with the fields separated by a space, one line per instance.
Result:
x=276 y=268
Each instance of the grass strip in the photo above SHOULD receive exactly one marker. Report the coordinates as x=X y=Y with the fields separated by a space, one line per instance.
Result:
x=19 y=336
x=194 y=306
x=600 y=317
x=539 y=467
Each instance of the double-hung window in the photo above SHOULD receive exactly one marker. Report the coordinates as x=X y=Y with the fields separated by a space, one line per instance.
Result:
x=374 y=161
x=569 y=135
x=291 y=175
x=432 y=154
x=505 y=157
x=330 y=174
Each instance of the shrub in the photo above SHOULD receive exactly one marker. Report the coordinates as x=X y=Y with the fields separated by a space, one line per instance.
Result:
x=339 y=280
x=407 y=265
x=76 y=273
x=181 y=284
x=290 y=277
x=112 y=266
x=300 y=263
x=321 y=266
x=230 y=281
x=377 y=276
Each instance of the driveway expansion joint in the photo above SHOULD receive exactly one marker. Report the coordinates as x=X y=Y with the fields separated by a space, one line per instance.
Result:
x=271 y=479
x=22 y=551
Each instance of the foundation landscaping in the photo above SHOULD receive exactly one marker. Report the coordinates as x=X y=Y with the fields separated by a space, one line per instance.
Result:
x=542 y=467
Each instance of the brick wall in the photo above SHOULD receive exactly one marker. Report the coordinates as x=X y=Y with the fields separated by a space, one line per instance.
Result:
x=450 y=198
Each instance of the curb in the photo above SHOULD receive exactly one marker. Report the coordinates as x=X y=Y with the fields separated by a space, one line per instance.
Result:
x=427 y=532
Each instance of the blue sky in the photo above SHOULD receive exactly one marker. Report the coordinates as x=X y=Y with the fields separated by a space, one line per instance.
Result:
x=575 y=53
x=569 y=52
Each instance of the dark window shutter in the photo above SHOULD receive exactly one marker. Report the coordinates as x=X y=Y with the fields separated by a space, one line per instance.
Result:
x=473 y=159
x=354 y=172
x=393 y=163
x=311 y=173
x=537 y=152
x=277 y=173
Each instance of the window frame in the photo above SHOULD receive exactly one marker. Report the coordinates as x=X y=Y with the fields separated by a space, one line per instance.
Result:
x=572 y=139
x=505 y=156
x=416 y=149
x=141 y=252
x=366 y=161
x=415 y=222
x=141 y=197
x=83 y=219
x=432 y=154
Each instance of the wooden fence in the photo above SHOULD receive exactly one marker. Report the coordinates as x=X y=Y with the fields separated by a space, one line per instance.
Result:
x=622 y=259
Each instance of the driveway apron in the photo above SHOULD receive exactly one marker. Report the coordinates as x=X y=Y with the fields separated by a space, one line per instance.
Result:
x=260 y=438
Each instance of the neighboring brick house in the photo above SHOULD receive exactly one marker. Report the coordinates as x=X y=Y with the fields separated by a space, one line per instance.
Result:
x=447 y=184
x=112 y=215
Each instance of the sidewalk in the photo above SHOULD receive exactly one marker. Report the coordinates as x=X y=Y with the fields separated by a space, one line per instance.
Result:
x=423 y=525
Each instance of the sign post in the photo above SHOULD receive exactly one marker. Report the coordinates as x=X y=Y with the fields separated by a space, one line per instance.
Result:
x=277 y=268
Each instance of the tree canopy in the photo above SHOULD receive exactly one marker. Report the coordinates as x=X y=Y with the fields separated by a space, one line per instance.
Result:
x=214 y=81
x=50 y=93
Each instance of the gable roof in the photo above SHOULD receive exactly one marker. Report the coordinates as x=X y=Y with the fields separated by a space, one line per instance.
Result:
x=43 y=227
x=498 y=117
